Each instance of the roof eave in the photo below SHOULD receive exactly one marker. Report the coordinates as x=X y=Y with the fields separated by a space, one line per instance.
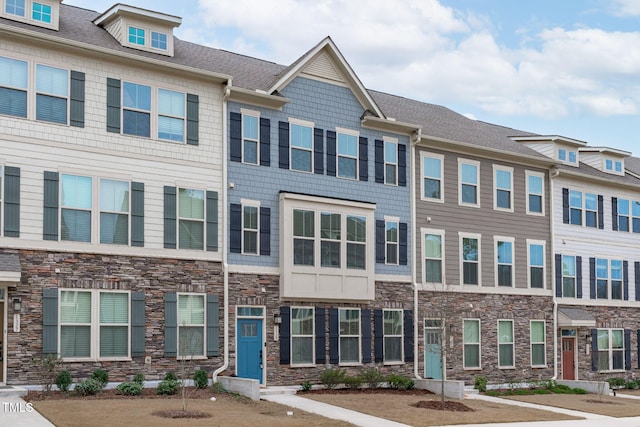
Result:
x=248 y=96
x=372 y=122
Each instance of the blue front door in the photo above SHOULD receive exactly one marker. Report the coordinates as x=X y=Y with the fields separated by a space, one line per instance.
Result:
x=432 y=365
x=250 y=348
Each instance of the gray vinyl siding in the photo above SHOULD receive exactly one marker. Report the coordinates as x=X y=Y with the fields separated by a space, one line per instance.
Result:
x=453 y=218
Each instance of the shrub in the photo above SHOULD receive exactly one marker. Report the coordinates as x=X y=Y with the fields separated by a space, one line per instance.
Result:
x=63 y=381
x=372 y=377
x=493 y=393
x=400 y=382
x=578 y=391
x=88 y=387
x=201 y=379
x=170 y=376
x=353 y=382
x=306 y=386
x=168 y=387
x=616 y=382
x=632 y=385
x=331 y=378
x=480 y=383
x=217 y=388
x=129 y=388
x=47 y=368
x=101 y=376
x=139 y=378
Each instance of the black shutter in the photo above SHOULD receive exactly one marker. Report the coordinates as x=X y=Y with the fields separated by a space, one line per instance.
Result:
x=265 y=231
x=283 y=144
x=137 y=325
x=318 y=151
x=365 y=317
x=213 y=325
x=565 y=205
x=76 y=98
x=285 y=335
x=235 y=228
x=638 y=344
x=235 y=137
x=11 y=201
x=558 y=275
x=50 y=226
x=402 y=165
x=170 y=217
x=600 y=212
x=408 y=336
x=137 y=214
x=334 y=331
x=212 y=221
x=614 y=213
x=331 y=153
x=321 y=345
x=379 y=161
x=579 y=276
x=113 y=105
x=381 y=254
x=265 y=142
x=402 y=239
x=193 y=119
x=592 y=278
x=170 y=325
x=627 y=349
x=378 y=330
x=50 y=321
x=594 y=349
x=636 y=270
x=363 y=159
x=625 y=280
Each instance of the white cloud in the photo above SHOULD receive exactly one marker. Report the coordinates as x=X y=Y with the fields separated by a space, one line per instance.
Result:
x=626 y=7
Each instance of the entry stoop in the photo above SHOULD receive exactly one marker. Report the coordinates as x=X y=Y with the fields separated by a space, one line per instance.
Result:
x=12 y=391
x=278 y=390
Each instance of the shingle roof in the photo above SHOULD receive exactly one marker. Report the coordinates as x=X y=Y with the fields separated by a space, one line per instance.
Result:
x=10 y=262
x=576 y=313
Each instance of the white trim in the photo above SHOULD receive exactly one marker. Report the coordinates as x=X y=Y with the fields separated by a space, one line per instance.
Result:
x=609 y=278
x=492 y=290
x=542 y=243
x=436 y=232
x=401 y=336
x=575 y=277
x=476 y=164
x=543 y=342
x=204 y=326
x=312 y=336
x=397 y=242
x=346 y=132
x=300 y=122
x=254 y=269
x=478 y=237
x=496 y=240
x=513 y=343
x=479 y=344
x=439 y=157
x=264 y=339
x=509 y=170
x=392 y=278
x=311 y=151
x=256 y=115
x=540 y=175
x=340 y=336
x=256 y=205
x=393 y=141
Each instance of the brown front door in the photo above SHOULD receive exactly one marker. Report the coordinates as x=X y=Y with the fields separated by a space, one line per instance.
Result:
x=568 y=358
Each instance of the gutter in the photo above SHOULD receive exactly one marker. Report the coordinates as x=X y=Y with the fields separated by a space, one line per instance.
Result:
x=414 y=140
x=553 y=173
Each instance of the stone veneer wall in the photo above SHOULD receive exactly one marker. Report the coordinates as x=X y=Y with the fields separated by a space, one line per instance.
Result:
x=489 y=308
x=153 y=276
x=264 y=290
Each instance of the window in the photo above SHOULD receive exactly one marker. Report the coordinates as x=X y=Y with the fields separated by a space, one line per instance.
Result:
x=390 y=162
x=15 y=7
x=536 y=264
x=13 y=87
x=611 y=349
x=302 y=327
x=171 y=115
x=591 y=210
x=470 y=258
x=575 y=207
x=136 y=36
x=347 y=155
x=250 y=131
x=505 y=344
x=114 y=212
x=562 y=154
x=349 y=335
x=568 y=276
x=393 y=335
x=471 y=340
x=504 y=261
x=303 y=237
x=191 y=219
x=75 y=208
x=191 y=323
x=158 y=40
x=538 y=343
x=330 y=240
x=609 y=279
x=433 y=260
x=102 y=332
x=618 y=166
x=469 y=176
x=573 y=157
x=623 y=215
x=356 y=242
x=301 y=147
x=567 y=156
x=41 y=12
x=635 y=216
x=391 y=242
x=52 y=90
x=503 y=185
x=609 y=164
x=432 y=176
x=136 y=109
x=250 y=230
x=535 y=193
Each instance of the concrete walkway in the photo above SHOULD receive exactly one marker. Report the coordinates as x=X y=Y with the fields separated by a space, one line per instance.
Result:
x=15 y=412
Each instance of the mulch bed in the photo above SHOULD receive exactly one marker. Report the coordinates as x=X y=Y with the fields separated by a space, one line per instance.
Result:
x=443 y=406
x=181 y=414
x=414 y=392
x=147 y=393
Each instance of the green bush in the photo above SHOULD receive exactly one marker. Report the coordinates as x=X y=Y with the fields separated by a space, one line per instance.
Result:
x=201 y=379
x=353 y=382
x=217 y=388
x=139 y=378
x=168 y=387
x=632 y=385
x=493 y=393
x=331 y=378
x=88 y=387
x=101 y=376
x=63 y=381
x=129 y=388
x=400 y=382
x=480 y=383
x=616 y=382
x=372 y=377
x=578 y=391
x=170 y=376
x=306 y=386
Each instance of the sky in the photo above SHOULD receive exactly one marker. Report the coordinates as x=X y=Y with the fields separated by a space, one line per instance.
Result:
x=552 y=67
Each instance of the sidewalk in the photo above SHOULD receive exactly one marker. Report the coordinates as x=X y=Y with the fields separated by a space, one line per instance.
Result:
x=15 y=412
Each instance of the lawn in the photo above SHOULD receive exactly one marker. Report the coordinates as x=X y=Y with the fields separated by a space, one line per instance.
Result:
x=592 y=403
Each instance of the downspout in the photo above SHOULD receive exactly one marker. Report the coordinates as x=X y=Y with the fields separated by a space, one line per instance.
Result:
x=225 y=266
x=415 y=139
x=553 y=173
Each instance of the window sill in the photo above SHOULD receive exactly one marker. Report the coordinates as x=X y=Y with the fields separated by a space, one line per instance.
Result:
x=350 y=364
x=393 y=363
x=479 y=368
x=502 y=209
x=303 y=365
x=507 y=367
x=191 y=358
x=92 y=359
x=427 y=199
x=539 y=366
x=468 y=205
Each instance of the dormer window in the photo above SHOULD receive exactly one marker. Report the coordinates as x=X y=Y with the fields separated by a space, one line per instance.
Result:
x=613 y=165
x=41 y=12
x=136 y=36
x=15 y=7
x=158 y=40
x=567 y=156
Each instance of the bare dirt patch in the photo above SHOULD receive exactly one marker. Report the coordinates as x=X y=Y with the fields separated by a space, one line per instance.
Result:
x=592 y=403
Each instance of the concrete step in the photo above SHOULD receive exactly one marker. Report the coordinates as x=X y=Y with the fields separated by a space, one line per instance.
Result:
x=12 y=391
x=277 y=390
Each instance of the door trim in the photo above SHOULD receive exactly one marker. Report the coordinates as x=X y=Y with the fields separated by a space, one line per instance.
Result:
x=575 y=354
x=4 y=333
x=262 y=318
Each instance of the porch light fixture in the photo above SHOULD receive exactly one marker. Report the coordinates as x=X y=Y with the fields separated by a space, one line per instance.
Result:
x=17 y=304
x=589 y=339
x=277 y=319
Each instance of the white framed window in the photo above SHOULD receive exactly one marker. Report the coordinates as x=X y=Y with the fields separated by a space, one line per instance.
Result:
x=136 y=109
x=610 y=350
x=535 y=193
x=568 y=156
x=590 y=210
x=349 y=337
x=569 y=277
x=391 y=241
x=503 y=188
x=76 y=203
x=347 y=153
x=504 y=261
x=609 y=277
x=575 y=207
x=433 y=255
x=136 y=36
x=304 y=237
x=171 y=115
x=190 y=218
x=250 y=137
x=536 y=255
x=114 y=211
x=330 y=239
x=505 y=344
x=393 y=335
x=469 y=179
x=14 y=78
x=301 y=146
x=250 y=227
x=538 y=342
x=471 y=343
x=390 y=161
x=94 y=324
x=635 y=216
x=623 y=215
x=470 y=258
x=52 y=94
x=191 y=325
x=41 y=13
x=432 y=177
x=356 y=242
x=15 y=7
x=158 y=40
x=302 y=336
